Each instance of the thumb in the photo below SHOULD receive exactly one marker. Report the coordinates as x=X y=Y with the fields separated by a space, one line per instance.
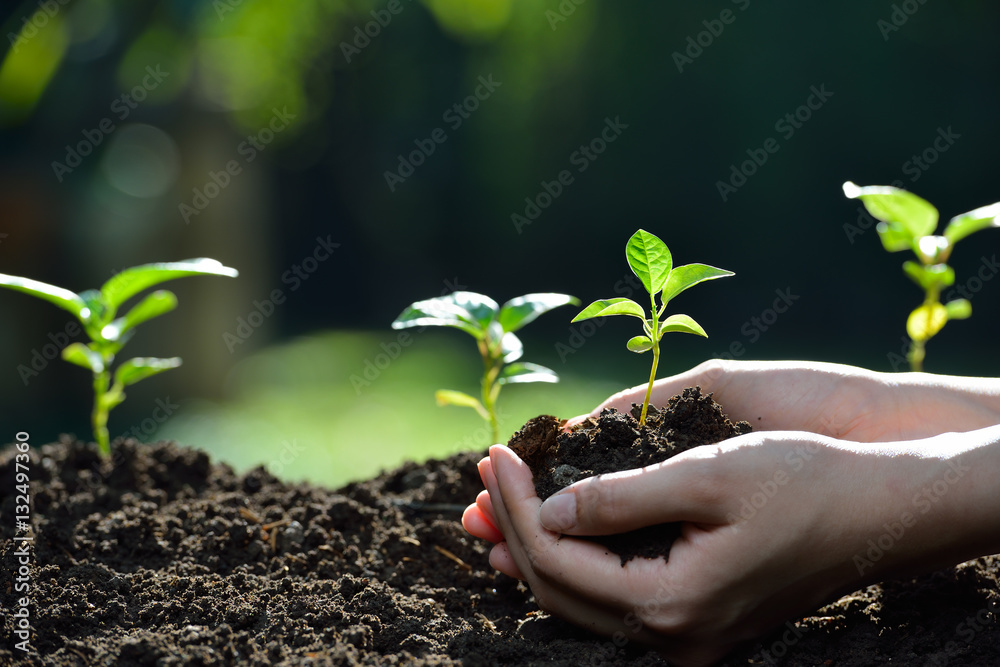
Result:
x=688 y=487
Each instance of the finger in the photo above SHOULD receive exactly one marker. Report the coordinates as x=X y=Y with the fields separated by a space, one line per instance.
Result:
x=500 y=559
x=486 y=507
x=477 y=524
x=682 y=488
x=573 y=421
x=578 y=580
x=485 y=461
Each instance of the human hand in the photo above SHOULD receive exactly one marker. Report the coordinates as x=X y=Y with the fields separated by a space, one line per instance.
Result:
x=835 y=400
x=736 y=572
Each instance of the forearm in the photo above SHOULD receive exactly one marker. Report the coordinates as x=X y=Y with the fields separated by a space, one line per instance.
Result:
x=943 y=505
x=976 y=510
x=944 y=403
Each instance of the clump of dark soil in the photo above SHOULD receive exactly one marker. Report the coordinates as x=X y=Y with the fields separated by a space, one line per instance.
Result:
x=615 y=441
x=166 y=558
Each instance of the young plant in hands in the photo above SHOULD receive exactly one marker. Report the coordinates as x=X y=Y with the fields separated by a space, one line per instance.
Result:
x=493 y=328
x=652 y=263
x=96 y=310
x=908 y=223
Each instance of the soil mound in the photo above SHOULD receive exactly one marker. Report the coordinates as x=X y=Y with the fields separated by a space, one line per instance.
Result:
x=165 y=558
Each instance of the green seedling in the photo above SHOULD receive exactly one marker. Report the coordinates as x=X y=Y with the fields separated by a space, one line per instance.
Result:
x=96 y=310
x=908 y=223
x=493 y=328
x=651 y=262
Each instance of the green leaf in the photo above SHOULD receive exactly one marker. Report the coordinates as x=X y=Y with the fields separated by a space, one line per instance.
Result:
x=689 y=275
x=894 y=237
x=525 y=309
x=481 y=308
x=141 y=368
x=61 y=297
x=526 y=372
x=683 y=324
x=511 y=348
x=467 y=311
x=639 y=344
x=928 y=277
x=608 y=307
x=895 y=206
x=959 y=309
x=926 y=321
x=438 y=312
x=967 y=223
x=650 y=260
x=131 y=281
x=450 y=397
x=157 y=303
x=81 y=355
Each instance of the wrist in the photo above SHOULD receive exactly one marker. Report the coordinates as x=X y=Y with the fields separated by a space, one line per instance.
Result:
x=929 y=404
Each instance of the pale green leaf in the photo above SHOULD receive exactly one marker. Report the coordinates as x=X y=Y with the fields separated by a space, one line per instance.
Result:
x=461 y=399
x=438 y=312
x=525 y=309
x=468 y=311
x=608 y=307
x=682 y=324
x=639 y=344
x=959 y=309
x=154 y=305
x=133 y=280
x=81 y=355
x=967 y=223
x=894 y=237
x=650 y=260
x=63 y=298
x=140 y=368
x=929 y=277
x=893 y=205
x=511 y=348
x=526 y=372
x=689 y=275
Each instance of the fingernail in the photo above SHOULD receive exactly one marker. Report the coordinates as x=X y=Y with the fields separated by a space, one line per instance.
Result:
x=558 y=513
x=481 y=466
x=489 y=479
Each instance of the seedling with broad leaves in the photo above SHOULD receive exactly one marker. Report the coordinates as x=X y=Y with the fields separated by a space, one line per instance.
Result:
x=97 y=310
x=493 y=328
x=908 y=223
x=651 y=262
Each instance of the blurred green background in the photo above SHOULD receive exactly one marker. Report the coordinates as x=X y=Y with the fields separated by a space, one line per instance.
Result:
x=419 y=136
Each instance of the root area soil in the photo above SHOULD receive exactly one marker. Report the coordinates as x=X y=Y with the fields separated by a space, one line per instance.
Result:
x=166 y=558
x=615 y=441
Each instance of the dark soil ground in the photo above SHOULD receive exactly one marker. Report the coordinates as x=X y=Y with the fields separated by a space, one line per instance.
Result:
x=165 y=558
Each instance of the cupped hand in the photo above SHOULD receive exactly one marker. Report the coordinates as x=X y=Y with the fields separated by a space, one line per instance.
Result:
x=772 y=526
x=835 y=400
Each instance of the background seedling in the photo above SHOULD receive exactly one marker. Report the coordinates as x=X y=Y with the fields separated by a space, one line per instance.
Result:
x=651 y=262
x=493 y=328
x=96 y=310
x=908 y=223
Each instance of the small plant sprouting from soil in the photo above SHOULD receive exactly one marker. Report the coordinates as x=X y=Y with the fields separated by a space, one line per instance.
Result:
x=493 y=328
x=96 y=310
x=907 y=222
x=651 y=262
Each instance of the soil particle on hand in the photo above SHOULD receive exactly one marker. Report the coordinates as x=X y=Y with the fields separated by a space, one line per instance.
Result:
x=163 y=558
